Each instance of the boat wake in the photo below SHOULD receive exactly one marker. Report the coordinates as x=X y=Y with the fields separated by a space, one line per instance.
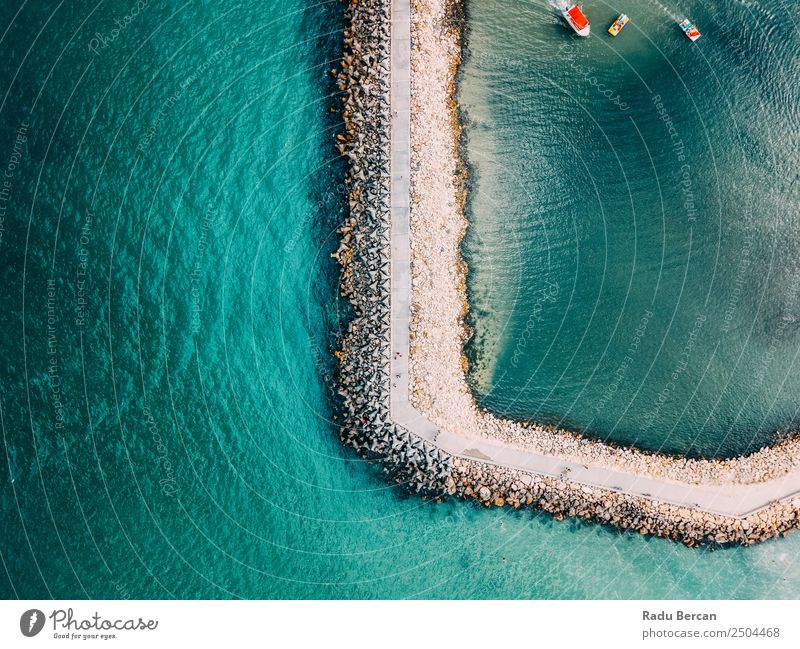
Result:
x=558 y=6
x=676 y=17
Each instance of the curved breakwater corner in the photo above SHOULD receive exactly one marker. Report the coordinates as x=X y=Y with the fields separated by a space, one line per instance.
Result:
x=437 y=383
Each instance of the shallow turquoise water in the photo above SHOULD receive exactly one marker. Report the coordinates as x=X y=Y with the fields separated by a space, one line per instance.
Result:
x=634 y=244
x=193 y=453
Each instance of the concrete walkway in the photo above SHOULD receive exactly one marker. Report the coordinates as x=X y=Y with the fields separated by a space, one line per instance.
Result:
x=729 y=500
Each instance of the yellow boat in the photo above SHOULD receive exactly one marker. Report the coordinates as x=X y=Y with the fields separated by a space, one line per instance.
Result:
x=619 y=23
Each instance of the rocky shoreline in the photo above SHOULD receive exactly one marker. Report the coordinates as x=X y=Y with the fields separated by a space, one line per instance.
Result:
x=438 y=384
x=363 y=254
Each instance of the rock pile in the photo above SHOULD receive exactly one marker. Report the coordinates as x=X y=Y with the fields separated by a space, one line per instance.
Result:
x=493 y=485
x=363 y=253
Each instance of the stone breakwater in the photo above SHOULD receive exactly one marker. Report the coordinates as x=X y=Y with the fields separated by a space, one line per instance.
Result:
x=438 y=294
x=363 y=254
x=494 y=485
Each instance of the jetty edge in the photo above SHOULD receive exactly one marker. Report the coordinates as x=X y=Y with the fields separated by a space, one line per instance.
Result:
x=373 y=368
x=364 y=256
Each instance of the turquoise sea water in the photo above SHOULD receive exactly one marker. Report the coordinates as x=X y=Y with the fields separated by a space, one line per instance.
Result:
x=635 y=213
x=169 y=307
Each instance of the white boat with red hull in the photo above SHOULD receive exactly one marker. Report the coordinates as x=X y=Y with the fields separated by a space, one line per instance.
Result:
x=576 y=19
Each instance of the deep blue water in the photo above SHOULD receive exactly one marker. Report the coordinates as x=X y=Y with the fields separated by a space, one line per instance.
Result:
x=169 y=311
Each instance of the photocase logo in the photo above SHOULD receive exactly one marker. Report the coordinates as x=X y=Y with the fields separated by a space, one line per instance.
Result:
x=31 y=622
